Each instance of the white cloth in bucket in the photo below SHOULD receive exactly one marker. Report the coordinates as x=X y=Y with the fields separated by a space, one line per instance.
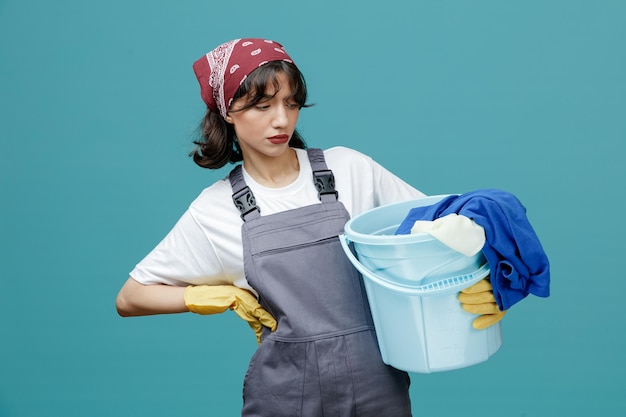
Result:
x=455 y=231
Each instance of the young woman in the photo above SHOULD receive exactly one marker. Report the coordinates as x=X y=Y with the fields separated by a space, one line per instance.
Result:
x=270 y=231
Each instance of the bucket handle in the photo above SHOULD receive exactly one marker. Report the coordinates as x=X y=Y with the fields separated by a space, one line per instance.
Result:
x=437 y=286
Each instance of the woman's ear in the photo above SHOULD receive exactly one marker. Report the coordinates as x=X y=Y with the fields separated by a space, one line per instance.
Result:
x=229 y=119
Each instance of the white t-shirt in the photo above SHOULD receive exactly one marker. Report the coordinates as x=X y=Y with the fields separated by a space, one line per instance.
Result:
x=205 y=247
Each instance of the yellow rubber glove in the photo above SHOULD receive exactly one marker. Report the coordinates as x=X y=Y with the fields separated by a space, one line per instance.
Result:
x=479 y=299
x=214 y=299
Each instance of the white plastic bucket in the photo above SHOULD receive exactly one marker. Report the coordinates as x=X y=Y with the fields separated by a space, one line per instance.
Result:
x=412 y=283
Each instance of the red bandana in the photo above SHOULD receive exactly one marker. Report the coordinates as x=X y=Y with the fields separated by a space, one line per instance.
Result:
x=221 y=71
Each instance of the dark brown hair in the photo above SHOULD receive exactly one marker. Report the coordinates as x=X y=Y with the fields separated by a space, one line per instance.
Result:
x=216 y=145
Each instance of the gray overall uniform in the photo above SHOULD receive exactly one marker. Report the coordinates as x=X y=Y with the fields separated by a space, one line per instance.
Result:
x=323 y=358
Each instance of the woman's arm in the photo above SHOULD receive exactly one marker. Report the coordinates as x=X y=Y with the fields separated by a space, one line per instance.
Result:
x=135 y=299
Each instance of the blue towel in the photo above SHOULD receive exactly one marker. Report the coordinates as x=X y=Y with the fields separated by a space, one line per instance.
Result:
x=518 y=263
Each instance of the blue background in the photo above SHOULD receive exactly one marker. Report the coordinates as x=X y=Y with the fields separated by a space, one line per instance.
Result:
x=98 y=107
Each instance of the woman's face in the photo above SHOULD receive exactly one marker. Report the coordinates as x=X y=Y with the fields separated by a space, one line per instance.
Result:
x=266 y=128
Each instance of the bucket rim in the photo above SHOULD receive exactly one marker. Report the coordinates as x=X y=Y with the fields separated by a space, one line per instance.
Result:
x=374 y=239
x=439 y=287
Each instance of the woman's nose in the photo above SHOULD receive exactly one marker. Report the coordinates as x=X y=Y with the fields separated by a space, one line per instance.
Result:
x=280 y=118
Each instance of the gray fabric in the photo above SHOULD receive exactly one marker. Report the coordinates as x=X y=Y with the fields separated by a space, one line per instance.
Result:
x=323 y=359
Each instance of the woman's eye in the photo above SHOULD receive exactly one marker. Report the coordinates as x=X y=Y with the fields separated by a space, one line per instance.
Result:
x=293 y=105
x=262 y=107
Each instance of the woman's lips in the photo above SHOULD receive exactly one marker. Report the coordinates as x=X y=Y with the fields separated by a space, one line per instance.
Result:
x=278 y=139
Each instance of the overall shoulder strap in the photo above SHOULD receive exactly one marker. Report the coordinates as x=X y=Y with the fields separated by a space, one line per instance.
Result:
x=242 y=195
x=323 y=177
